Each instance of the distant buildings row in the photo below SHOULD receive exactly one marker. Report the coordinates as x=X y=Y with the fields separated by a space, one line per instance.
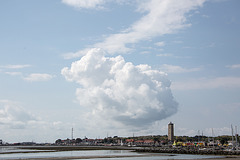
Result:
x=145 y=141
x=170 y=139
x=156 y=140
x=116 y=141
x=121 y=141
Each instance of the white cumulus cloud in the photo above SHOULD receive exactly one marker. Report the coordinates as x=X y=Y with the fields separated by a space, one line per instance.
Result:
x=117 y=90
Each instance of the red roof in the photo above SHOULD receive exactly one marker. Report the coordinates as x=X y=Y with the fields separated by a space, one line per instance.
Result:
x=148 y=141
x=129 y=140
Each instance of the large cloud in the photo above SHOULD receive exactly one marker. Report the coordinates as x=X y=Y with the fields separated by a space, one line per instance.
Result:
x=160 y=17
x=163 y=17
x=120 y=91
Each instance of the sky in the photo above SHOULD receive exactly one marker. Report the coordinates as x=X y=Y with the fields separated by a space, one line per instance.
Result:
x=118 y=68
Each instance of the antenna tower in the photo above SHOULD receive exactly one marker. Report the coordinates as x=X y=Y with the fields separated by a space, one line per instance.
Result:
x=72 y=133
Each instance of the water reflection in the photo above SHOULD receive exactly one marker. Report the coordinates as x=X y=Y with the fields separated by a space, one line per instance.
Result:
x=93 y=154
x=67 y=154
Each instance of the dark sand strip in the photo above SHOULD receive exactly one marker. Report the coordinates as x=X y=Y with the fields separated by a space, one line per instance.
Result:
x=123 y=156
x=82 y=157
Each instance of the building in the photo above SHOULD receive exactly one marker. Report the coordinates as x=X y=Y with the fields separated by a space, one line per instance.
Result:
x=170 y=131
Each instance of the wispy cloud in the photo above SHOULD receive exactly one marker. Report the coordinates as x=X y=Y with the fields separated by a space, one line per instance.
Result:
x=38 y=77
x=30 y=77
x=14 y=73
x=165 y=55
x=211 y=45
x=207 y=83
x=162 y=17
x=16 y=66
x=77 y=54
x=14 y=116
x=205 y=16
x=171 y=55
x=178 y=42
x=34 y=77
x=145 y=52
x=234 y=66
x=187 y=47
x=177 y=69
x=88 y=4
x=160 y=44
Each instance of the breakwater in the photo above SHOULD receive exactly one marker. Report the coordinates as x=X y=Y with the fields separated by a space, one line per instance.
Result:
x=202 y=151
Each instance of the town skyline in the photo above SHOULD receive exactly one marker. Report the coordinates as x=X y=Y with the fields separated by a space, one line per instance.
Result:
x=168 y=137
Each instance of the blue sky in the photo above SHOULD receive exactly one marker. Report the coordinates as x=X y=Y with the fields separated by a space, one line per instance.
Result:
x=118 y=68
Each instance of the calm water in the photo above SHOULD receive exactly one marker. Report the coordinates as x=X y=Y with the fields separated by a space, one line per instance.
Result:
x=147 y=156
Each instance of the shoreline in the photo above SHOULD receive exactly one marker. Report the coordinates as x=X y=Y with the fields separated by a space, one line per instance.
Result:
x=41 y=149
x=192 y=151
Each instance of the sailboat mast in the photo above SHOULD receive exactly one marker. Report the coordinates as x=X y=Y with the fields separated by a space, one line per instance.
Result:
x=236 y=136
x=232 y=137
